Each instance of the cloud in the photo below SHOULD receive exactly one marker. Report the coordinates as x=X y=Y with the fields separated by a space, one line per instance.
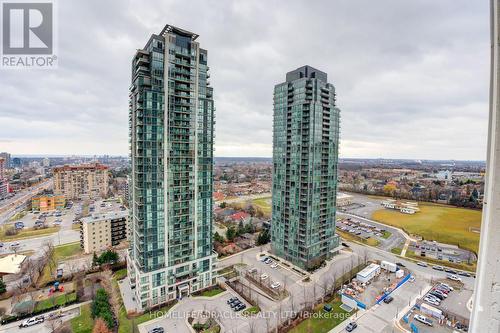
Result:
x=411 y=77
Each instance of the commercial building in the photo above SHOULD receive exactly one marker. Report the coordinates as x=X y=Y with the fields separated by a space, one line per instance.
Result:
x=102 y=231
x=305 y=158
x=79 y=182
x=45 y=203
x=171 y=184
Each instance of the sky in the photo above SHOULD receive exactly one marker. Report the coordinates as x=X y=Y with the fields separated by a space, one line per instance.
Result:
x=412 y=77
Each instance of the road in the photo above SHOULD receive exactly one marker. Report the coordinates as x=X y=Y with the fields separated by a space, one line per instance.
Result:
x=9 y=207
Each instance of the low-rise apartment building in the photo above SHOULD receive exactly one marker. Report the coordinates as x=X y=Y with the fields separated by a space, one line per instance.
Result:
x=84 y=181
x=45 y=203
x=102 y=231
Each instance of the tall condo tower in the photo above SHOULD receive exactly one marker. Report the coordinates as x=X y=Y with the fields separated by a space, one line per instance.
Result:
x=171 y=120
x=305 y=158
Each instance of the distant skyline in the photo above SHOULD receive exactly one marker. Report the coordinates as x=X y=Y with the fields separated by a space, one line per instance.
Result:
x=411 y=77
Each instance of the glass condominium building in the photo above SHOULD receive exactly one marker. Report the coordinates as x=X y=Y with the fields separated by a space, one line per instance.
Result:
x=305 y=158
x=171 y=124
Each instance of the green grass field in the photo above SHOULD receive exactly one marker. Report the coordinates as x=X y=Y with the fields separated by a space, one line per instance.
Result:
x=61 y=252
x=264 y=205
x=211 y=292
x=84 y=322
x=445 y=224
x=56 y=300
x=26 y=233
x=322 y=323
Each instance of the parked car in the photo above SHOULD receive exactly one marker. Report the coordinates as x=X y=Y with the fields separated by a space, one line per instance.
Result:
x=451 y=271
x=400 y=264
x=235 y=304
x=388 y=299
x=157 y=330
x=423 y=319
x=453 y=277
x=423 y=264
x=275 y=265
x=351 y=326
x=275 y=285
x=264 y=276
x=446 y=285
x=467 y=274
x=240 y=307
x=32 y=321
x=252 y=270
x=432 y=301
x=437 y=295
x=442 y=289
x=232 y=300
x=438 y=268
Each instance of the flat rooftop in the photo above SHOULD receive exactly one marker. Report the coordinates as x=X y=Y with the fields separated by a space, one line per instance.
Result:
x=97 y=217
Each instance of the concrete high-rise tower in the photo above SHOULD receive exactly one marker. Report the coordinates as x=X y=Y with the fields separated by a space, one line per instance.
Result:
x=171 y=183
x=305 y=158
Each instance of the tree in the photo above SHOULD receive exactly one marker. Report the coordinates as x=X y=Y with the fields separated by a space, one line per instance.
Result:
x=101 y=308
x=3 y=287
x=223 y=205
x=241 y=228
x=230 y=234
x=100 y=327
x=95 y=260
x=264 y=237
x=218 y=238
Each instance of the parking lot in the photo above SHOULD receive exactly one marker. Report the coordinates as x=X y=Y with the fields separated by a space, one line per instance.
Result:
x=66 y=219
x=386 y=237
x=442 y=309
x=446 y=252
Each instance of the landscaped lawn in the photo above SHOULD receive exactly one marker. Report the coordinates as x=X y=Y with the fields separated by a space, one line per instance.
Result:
x=26 y=233
x=396 y=250
x=444 y=224
x=264 y=205
x=120 y=274
x=84 y=322
x=61 y=252
x=350 y=237
x=65 y=251
x=58 y=300
x=386 y=234
x=251 y=310
x=322 y=322
x=211 y=292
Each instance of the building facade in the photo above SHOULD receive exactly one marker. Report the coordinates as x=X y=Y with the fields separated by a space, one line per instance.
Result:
x=171 y=184
x=103 y=231
x=80 y=182
x=45 y=203
x=305 y=158
x=6 y=157
x=4 y=185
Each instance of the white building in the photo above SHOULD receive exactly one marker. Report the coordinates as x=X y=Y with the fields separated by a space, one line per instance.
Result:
x=368 y=273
